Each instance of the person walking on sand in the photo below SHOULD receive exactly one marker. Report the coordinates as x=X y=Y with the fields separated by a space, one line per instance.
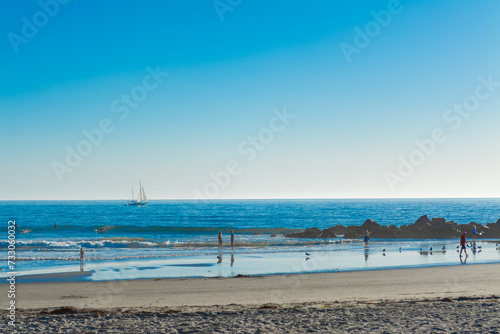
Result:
x=232 y=240
x=220 y=241
x=81 y=258
x=463 y=242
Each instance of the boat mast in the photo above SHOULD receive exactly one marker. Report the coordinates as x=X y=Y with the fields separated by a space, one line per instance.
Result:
x=140 y=191
x=132 y=193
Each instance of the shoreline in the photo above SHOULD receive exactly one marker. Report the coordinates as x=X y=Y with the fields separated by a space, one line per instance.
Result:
x=480 y=280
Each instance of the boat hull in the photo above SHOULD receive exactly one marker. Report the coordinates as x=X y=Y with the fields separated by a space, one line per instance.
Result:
x=137 y=203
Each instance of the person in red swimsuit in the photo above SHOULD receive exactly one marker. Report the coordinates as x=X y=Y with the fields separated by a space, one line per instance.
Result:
x=463 y=242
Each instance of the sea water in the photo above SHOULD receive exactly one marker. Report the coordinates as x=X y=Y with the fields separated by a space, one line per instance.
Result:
x=179 y=238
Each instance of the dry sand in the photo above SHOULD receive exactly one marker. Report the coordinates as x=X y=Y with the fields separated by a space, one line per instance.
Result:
x=400 y=300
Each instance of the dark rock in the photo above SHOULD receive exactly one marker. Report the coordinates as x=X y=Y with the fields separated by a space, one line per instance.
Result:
x=422 y=221
x=308 y=233
x=351 y=235
x=370 y=225
x=423 y=228
x=328 y=233
x=339 y=229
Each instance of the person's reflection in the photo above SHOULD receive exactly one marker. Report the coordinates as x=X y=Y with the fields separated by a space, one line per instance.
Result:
x=463 y=260
x=219 y=258
x=366 y=253
x=232 y=259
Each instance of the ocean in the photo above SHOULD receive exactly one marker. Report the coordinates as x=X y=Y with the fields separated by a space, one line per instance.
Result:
x=179 y=238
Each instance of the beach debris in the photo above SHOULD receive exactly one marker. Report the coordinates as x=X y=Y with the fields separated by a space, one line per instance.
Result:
x=240 y=276
x=72 y=310
x=447 y=299
x=267 y=306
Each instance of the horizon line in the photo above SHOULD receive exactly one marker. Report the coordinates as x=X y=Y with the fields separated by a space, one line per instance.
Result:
x=254 y=199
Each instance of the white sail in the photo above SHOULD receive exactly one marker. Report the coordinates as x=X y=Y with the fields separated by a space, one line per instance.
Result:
x=141 y=197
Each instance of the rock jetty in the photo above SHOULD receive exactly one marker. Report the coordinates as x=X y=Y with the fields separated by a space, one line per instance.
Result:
x=423 y=228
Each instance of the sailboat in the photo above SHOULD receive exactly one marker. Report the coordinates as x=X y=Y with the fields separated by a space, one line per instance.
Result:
x=141 y=199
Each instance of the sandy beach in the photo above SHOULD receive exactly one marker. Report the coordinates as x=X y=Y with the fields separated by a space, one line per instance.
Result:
x=400 y=300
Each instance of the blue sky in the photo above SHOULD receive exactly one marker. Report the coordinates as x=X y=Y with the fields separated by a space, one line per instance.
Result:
x=355 y=120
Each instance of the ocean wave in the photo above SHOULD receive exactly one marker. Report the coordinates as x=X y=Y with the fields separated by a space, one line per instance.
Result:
x=129 y=242
x=159 y=229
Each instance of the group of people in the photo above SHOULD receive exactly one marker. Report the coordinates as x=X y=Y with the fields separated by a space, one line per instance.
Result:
x=220 y=241
x=463 y=240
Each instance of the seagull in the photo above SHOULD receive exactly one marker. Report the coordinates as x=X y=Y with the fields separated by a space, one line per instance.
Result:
x=458 y=246
x=307 y=254
x=479 y=247
x=444 y=248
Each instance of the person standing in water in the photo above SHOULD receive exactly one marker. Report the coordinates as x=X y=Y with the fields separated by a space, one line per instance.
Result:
x=474 y=235
x=463 y=242
x=232 y=240
x=81 y=258
x=220 y=241
x=366 y=238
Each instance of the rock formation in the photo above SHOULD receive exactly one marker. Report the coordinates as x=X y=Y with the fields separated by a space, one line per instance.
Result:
x=423 y=228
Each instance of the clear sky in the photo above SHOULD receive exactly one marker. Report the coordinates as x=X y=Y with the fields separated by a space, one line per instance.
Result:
x=263 y=99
